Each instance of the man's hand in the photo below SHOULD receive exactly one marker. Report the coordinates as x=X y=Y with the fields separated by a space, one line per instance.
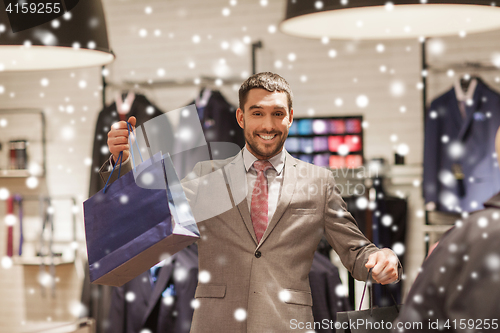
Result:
x=385 y=266
x=118 y=139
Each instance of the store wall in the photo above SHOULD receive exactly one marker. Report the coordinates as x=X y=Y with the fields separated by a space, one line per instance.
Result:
x=72 y=99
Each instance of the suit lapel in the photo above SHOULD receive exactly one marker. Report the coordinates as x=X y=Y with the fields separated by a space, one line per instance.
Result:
x=470 y=112
x=160 y=285
x=146 y=286
x=286 y=193
x=237 y=179
x=454 y=115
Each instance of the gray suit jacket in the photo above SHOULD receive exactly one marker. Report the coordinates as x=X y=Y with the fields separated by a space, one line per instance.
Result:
x=264 y=287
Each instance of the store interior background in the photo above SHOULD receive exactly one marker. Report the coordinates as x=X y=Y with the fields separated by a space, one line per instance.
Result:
x=165 y=40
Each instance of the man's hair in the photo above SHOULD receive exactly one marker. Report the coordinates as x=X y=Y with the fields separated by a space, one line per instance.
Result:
x=268 y=81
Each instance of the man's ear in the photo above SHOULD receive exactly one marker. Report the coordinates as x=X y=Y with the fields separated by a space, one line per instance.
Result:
x=290 y=118
x=240 y=118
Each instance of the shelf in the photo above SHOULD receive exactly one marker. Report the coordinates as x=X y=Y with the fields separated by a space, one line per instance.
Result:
x=17 y=130
x=37 y=261
x=15 y=173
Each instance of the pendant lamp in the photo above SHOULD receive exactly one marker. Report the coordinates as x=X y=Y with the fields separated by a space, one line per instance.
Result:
x=378 y=19
x=74 y=37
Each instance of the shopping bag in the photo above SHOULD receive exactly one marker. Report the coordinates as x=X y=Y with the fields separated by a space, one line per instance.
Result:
x=130 y=228
x=372 y=320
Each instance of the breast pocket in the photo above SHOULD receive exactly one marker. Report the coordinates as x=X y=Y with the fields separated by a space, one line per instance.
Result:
x=303 y=211
x=297 y=297
x=210 y=291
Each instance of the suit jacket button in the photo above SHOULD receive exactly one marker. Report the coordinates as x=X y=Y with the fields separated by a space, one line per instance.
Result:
x=258 y=254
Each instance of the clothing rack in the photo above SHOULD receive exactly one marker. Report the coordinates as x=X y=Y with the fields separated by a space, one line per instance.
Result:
x=474 y=66
x=467 y=65
x=175 y=83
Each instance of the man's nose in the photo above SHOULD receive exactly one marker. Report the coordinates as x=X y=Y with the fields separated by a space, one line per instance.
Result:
x=267 y=123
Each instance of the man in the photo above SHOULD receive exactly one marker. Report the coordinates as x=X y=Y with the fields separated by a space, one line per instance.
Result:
x=258 y=254
x=458 y=287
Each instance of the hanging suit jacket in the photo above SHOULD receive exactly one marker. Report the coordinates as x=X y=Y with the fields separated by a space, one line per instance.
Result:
x=388 y=236
x=148 y=309
x=95 y=297
x=219 y=125
x=459 y=280
x=261 y=287
x=447 y=135
x=325 y=285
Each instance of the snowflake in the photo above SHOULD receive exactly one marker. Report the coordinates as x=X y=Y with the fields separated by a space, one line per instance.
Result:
x=195 y=304
x=284 y=295
x=130 y=296
x=240 y=314
x=168 y=300
x=123 y=199
x=340 y=290
x=482 y=222
x=398 y=248
x=386 y=220
x=493 y=262
x=180 y=274
x=362 y=203
x=362 y=101
x=204 y=276
x=4 y=193
x=6 y=262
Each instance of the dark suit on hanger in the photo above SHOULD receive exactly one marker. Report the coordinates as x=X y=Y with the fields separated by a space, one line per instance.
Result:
x=387 y=236
x=445 y=127
x=148 y=309
x=324 y=280
x=219 y=124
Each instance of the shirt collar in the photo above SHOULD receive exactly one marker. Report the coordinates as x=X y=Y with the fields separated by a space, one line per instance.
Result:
x=465 y=96
x=278 y=161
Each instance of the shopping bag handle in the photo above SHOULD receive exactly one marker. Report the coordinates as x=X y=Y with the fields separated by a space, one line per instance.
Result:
x=131 y=131
x=369 y=283
x=120 y=156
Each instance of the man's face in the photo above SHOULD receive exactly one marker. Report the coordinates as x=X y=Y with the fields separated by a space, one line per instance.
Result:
x=265 y=122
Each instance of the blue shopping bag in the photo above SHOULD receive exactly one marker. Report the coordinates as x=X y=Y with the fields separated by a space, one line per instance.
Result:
x=130 y=228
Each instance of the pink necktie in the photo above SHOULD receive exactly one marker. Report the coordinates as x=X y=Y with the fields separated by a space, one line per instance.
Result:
x=259 y=206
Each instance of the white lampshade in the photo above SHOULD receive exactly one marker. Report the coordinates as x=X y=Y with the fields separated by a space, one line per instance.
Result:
x=77 y=39
x=373 y=19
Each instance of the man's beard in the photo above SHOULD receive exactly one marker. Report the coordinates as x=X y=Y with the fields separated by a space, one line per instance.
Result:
x=254 y=145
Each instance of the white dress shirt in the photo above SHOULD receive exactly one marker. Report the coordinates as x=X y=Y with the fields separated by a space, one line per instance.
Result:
x=274 y=179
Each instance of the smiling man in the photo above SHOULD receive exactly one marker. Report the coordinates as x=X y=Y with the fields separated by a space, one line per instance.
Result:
x=258 y=254
x=267 y=120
